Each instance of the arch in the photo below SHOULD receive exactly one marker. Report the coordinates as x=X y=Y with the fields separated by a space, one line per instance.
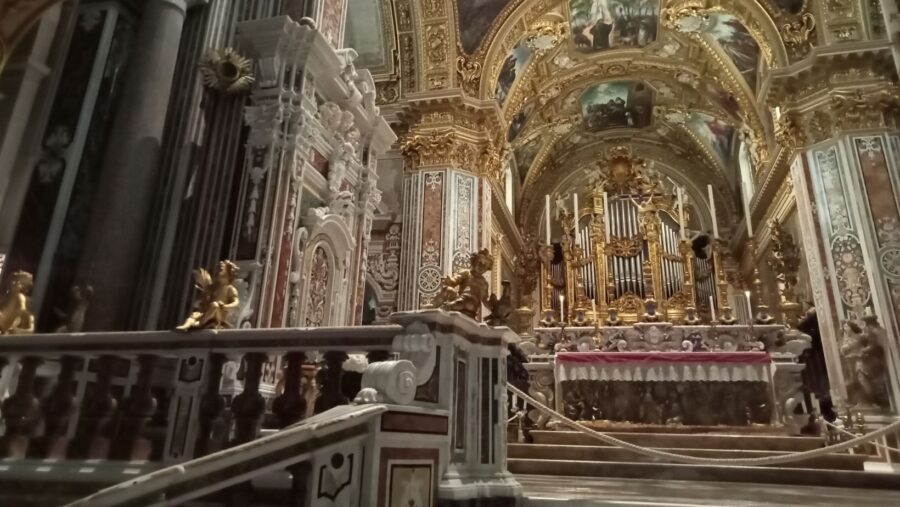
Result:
x=330 y=234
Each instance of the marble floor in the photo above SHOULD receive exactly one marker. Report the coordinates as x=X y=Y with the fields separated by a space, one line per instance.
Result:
x=543 y=491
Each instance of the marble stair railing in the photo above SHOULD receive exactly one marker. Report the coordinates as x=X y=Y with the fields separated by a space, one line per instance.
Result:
x=166 y=396
x=83 y=412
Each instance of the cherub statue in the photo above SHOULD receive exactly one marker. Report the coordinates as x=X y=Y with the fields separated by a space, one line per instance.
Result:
x=865 y=356
x=15 y=316
x=73 y=316
x=216 y=298
x=466 y=290
x=501 y=308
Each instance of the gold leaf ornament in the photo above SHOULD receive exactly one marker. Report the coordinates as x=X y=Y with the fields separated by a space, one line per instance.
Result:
x=226 y=70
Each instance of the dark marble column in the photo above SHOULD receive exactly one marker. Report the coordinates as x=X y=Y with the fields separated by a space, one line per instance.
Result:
x=115 y=238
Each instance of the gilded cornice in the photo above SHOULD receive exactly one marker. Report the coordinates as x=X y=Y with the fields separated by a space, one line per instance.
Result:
x=829 y=67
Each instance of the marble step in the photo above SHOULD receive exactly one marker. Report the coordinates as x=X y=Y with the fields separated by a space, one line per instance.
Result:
x=681 y=472
x=608 y=453
x=686 y=441
x=547 y=491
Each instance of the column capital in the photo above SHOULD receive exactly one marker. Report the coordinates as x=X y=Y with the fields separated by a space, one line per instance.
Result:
x=449 y=147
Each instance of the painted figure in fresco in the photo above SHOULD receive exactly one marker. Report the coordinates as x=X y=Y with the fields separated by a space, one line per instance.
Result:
x=506 y=79
x=216 y=298
x=599 y=25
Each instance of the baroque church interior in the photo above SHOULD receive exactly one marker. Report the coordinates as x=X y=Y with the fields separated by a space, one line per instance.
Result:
x=449 y=252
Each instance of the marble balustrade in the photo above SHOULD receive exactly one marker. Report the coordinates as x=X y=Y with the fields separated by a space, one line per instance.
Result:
x=88 y=401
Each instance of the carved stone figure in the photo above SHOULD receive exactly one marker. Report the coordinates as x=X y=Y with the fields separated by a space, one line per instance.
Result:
x=501 y=308
x=216 y=298
x=468 y=289
x=527 y=269
x=73 y=316
x=864 y=357
x=15 y=314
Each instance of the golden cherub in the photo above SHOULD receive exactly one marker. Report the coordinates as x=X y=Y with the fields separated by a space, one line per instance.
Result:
x=15 y=317
x=216 y=298
x=466 y=290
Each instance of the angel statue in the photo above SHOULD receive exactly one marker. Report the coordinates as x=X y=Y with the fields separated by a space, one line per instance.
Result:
x=466 y=290
x=216 y=298
x=15 y=316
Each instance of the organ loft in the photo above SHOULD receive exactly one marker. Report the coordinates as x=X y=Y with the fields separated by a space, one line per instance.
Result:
x=449 y=252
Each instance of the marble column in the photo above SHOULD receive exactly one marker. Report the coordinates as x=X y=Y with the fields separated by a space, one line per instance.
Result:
x=446 y=215
x=115 y=238
x=847 y=192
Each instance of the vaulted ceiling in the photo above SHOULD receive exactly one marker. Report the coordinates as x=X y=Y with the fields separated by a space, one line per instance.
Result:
x=677 y=80
x=580 y=75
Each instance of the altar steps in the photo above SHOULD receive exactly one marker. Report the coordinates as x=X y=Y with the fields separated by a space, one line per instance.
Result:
x=746 y=442
x=617 y=454
x=564 y=453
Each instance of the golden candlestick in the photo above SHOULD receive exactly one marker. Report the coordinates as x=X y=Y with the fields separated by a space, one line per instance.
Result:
x=578 y=261
x=548 y=317
x=762 y=309
x=726 y=314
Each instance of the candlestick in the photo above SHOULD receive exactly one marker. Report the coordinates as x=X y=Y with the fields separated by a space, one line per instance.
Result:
x=594 y=308
x=562 y=305
x=575 y=214
x=547 y=217
x=681 y=212
x=606 y=217
x=712 y=309
x=712 y=211
x=749 y=305
x=747 y=215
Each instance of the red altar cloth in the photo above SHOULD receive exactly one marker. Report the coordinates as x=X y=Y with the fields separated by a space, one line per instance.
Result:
x=664 y=357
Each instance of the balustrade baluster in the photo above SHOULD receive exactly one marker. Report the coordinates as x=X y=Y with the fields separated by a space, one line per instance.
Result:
x=58 y=408
x=290 y=406
x=92 y=438
x=21 y=412
x=329 y=380
x=249 y=406
x=137 y=410
x=212 y=406
x=300 y=474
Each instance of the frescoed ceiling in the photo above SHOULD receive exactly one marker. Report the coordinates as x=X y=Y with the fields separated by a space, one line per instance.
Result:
x=592 y=72
x=553 y=83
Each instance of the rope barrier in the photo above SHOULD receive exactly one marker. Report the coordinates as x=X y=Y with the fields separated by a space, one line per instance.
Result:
x=694 y=460
x=842 y=430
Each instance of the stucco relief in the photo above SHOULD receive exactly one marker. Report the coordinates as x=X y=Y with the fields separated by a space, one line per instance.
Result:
x=317 y=296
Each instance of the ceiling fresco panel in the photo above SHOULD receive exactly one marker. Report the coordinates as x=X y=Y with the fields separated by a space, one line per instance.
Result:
x=525 y=156
x=475 y=19
x=716 y=134
x=599 y=25
x=518 y=122
x=619 y=104
x=512 y=68
x=737 y=43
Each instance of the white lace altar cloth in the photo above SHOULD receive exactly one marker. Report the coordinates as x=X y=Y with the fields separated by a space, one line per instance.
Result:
x=664 y=366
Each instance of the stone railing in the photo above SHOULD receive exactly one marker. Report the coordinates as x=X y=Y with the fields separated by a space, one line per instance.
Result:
x=81 y=405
